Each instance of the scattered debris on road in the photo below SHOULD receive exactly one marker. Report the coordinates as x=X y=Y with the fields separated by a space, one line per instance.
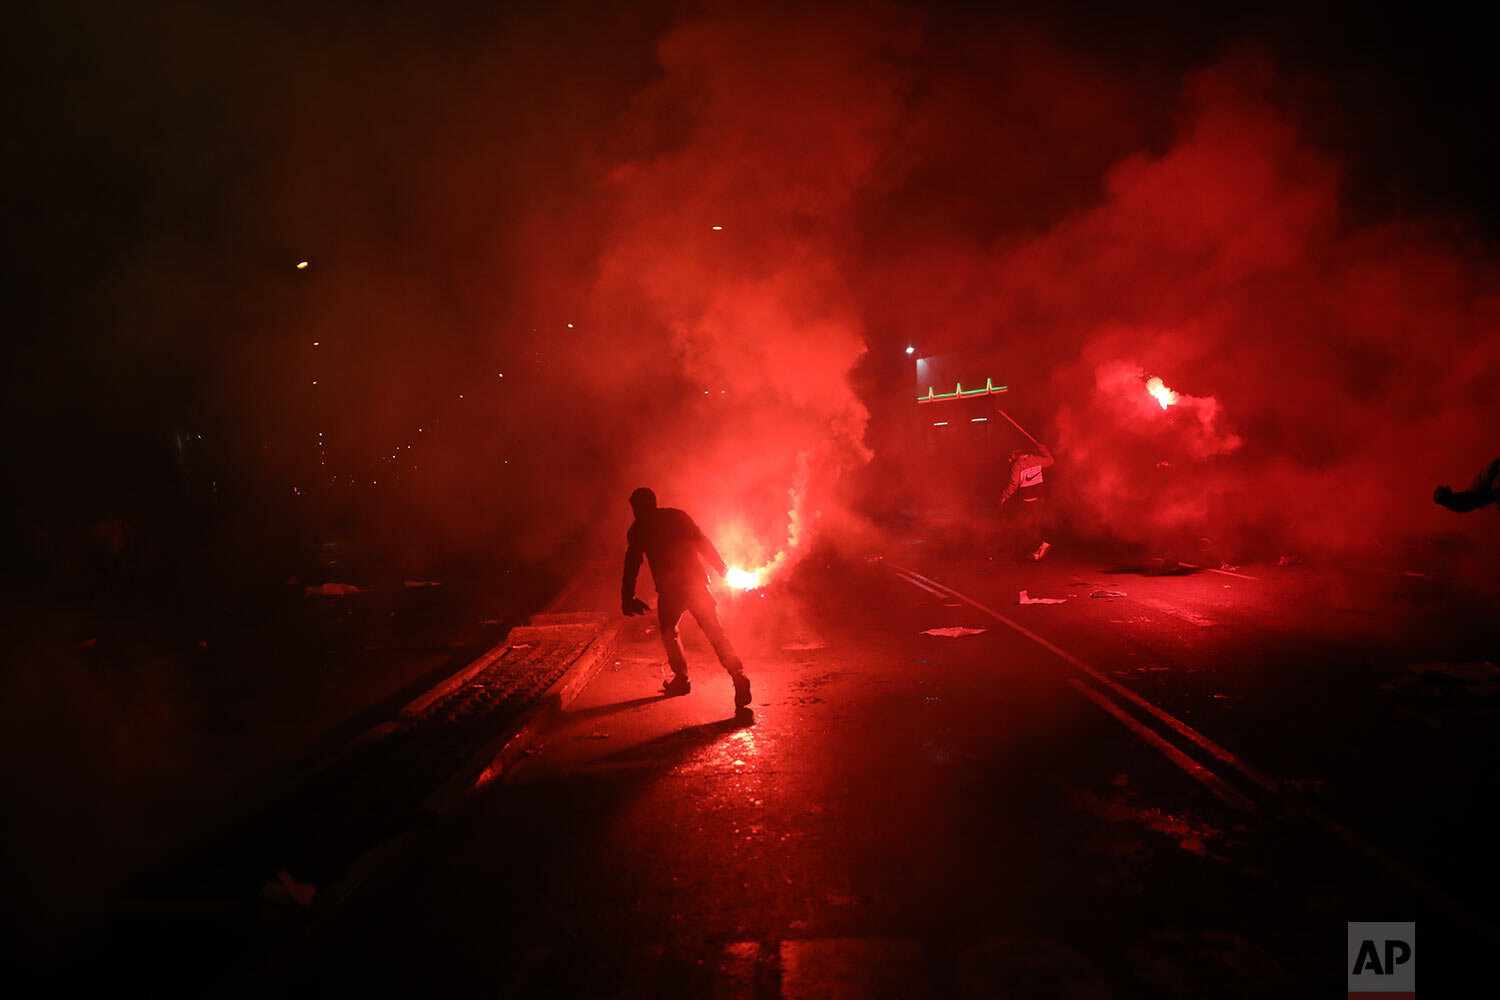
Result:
x=1289 y=561
x=954 y=632
x=1109 y=593
x=1025 y=599
x=592 y=736
x=285 y=889
x=422 y=583
x=1473 y=671
x=333 y=590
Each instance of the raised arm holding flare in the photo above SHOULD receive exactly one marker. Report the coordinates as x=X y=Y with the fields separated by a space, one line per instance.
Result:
x=1027 y=520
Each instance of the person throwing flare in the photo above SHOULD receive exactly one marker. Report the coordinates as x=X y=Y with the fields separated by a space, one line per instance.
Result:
x=676 y=549
x=1026 y=487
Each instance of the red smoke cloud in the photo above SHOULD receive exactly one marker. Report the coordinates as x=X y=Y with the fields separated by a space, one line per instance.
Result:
x=880 y=179
x=1353 y=360
x=722 y=273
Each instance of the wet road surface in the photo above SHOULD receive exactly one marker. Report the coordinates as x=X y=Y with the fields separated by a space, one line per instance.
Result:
x=1184 y=791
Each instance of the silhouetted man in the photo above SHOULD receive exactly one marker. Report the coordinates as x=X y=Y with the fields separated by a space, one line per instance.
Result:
x=1026 y=486
x=675 y=547
x=1481 y=492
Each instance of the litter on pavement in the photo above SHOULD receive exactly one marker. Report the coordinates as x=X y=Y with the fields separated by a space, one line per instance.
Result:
x=333 y=590
x=1109 y=593
x=1024 y=599
x=1473 y=671
x=283 y=889
x=954 y=632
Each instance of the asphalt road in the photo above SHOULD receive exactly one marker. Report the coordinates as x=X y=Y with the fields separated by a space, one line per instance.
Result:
x=1186 y=791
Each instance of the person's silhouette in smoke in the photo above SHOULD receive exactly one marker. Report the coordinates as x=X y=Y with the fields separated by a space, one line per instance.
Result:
x=675 y=547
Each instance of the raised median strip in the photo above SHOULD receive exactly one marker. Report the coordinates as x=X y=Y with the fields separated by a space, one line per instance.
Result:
x=349 y=816
x=503 y=752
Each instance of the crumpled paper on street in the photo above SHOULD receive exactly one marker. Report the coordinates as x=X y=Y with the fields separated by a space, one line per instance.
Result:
x=1474 y=671
x=954 y=632
x=334 y=590
x=1024 y=599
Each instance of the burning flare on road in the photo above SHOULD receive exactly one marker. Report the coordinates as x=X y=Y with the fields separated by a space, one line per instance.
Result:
x=1158 y=389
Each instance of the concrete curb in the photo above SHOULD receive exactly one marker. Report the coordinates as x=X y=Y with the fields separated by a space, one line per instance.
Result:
x=492 y=760
x=497 y=757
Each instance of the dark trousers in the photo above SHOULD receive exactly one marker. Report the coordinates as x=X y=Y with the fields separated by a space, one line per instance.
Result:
x=1027 y=525
x=700 y=603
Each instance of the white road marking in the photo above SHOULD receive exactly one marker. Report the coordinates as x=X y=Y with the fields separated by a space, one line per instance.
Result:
x=911 y=579
x=1259 y=777
x=1221 y=572
x=1203 y=775
x=1369 y=851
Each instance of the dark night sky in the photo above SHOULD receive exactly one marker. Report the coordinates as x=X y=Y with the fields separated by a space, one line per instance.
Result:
x=170 y=161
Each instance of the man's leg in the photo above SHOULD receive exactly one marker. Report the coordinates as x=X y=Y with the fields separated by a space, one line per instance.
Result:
x=707 y=616
x=669 y=608
x=1039 y=524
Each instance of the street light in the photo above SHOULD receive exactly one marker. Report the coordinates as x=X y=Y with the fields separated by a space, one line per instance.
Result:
x=911 y=350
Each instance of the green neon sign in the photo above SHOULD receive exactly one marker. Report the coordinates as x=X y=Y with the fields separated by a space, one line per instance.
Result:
x=959 y=392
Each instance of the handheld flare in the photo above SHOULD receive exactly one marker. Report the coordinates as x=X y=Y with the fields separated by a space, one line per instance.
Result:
x=742 y=579
x=1158 y=389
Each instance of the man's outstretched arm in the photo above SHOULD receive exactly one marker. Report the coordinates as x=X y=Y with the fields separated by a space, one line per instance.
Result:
x=709 y=553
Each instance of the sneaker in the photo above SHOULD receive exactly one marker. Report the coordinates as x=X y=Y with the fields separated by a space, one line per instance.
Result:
x=676 y=686
x=1041 y=550
x=741 y=691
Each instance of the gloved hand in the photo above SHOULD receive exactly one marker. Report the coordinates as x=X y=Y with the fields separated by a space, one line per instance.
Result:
x=1443 y=495
x=633 y=606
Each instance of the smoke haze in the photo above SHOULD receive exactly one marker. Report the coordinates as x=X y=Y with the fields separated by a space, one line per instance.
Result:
x=558 y=251
x=518 y=305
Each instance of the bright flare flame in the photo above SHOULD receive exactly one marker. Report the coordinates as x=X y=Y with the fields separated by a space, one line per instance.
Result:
x=1166 y=397
x=742 y=579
